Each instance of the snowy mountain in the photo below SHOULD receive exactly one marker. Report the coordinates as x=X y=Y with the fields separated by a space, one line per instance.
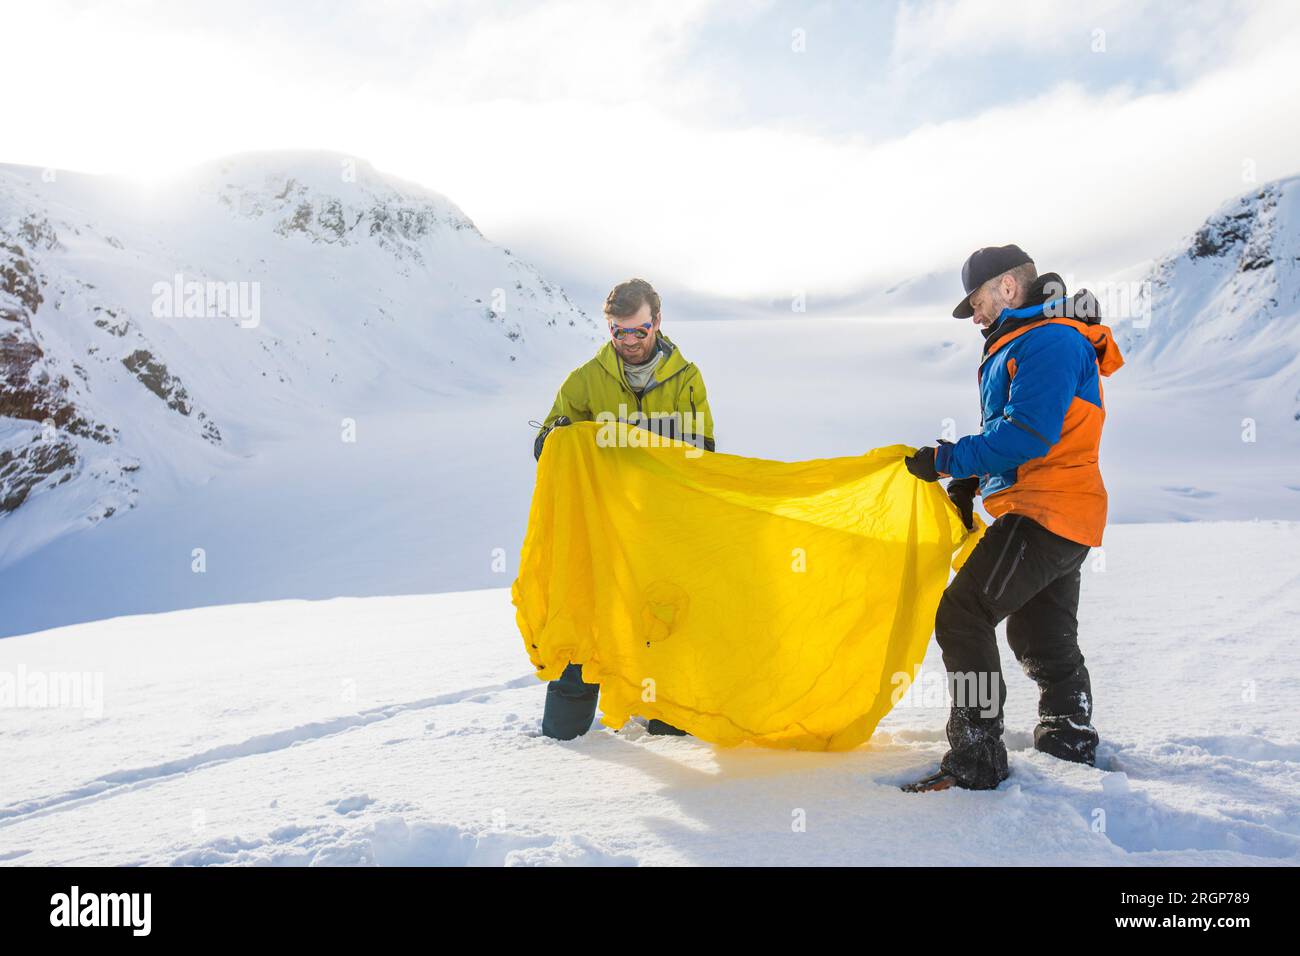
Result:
x=152 y=338
x=366 y=433
x=1222 y=310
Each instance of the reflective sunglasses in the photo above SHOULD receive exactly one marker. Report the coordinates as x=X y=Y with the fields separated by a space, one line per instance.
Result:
x=640 y=331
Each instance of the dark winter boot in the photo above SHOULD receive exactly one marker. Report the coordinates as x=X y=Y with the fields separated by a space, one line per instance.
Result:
x=1068 y=741
x=978 y=757
x=570 y=705
x=658 y=727
x=1065 y=718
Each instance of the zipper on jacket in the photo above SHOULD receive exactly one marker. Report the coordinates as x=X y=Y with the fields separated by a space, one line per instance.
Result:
x=622 y=380
x=655 y=383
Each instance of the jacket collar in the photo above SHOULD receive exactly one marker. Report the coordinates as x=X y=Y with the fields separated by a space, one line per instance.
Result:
x=1045 y=307
x=671 y=363
x=1038 y=300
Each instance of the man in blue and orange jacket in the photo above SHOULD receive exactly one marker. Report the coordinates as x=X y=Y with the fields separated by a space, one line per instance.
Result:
x=1035 y=463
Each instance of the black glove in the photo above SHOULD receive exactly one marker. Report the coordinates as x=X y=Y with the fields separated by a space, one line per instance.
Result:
x=961 y=491
x=540 y=440
x=921 y=464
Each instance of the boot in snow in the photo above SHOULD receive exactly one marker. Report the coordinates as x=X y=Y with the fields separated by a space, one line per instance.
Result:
x=1067 y=739
x=659 y=728
x=941 y=780
x=977 y=756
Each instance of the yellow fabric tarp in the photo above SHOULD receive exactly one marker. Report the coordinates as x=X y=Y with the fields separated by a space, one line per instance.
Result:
x=783 y=603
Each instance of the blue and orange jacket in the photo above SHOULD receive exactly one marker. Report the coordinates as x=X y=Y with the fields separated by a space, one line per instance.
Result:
x=1040 y=390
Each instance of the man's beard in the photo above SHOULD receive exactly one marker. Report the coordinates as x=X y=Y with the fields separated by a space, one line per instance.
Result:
x=640 y=357
x=996 y=309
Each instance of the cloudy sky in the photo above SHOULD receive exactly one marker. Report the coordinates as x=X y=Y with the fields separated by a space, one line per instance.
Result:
x=736 y=149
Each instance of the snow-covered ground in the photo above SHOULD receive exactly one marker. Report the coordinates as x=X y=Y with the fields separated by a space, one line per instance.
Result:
x=405 y=730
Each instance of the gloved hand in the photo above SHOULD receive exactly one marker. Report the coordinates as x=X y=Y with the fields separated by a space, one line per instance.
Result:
x=961 y=491
x=540 y=440
x=921 y=465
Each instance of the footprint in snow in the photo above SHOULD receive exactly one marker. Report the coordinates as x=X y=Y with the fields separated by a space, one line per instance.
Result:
x=354 y=804
x=1188 y=491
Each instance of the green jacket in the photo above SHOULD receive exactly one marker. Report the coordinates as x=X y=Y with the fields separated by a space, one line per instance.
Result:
x=674 y=403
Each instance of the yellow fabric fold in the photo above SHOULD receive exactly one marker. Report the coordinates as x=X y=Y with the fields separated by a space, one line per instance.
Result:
x=786 y=604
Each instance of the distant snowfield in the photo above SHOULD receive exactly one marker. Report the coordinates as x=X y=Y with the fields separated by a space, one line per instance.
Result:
x=405 y=730
x=431 y=498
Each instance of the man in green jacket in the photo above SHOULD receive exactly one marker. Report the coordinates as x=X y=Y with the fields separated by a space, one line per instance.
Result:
x=640 y=377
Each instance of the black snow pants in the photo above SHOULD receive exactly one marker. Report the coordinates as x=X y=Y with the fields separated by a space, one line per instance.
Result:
x=1029 y=576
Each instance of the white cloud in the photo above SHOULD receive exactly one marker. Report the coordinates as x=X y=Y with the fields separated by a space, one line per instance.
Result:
x=1186 y=35
x=1109 y=178
x=932 y=30
x=570 y=123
